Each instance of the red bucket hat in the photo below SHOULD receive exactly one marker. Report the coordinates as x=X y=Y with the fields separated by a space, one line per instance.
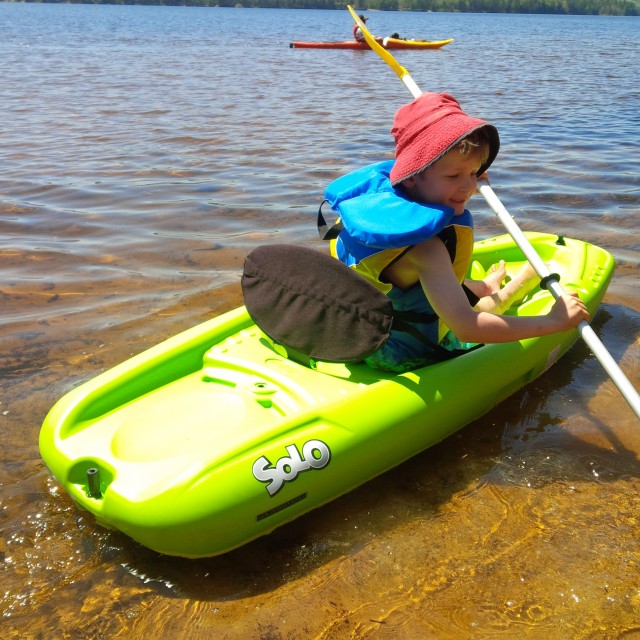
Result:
x=427 y=128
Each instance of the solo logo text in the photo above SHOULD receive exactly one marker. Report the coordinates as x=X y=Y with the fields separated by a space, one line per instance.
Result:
x=315 y=455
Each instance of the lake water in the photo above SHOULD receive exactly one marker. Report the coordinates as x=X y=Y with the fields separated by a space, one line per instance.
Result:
x=146 y=150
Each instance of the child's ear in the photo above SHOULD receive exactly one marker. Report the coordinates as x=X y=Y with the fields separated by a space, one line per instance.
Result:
x=409 y=183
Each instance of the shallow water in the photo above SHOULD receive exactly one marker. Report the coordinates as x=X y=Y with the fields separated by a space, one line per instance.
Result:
x=145 y=151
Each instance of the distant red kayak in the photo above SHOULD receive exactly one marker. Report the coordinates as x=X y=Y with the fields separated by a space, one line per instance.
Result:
x=387 y=43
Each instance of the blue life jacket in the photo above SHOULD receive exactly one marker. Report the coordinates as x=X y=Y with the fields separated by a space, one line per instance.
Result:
x=378 y=223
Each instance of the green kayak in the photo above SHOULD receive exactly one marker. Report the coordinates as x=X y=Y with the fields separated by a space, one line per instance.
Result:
x=214 y=437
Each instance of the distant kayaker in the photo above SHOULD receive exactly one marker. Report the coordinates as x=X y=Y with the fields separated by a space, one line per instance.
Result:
x=407 y=230
x=357 y=31
x=359 y=35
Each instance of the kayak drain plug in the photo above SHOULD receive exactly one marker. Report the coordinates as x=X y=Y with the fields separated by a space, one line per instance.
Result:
x=263 y=392
x=93 y=483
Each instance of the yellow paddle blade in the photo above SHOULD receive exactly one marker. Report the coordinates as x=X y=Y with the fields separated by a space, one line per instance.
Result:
x=400 y=71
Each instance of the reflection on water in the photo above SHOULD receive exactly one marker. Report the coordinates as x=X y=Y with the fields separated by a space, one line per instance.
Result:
x=146 y=150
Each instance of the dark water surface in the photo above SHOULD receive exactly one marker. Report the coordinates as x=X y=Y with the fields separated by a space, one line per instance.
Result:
x=145 y=151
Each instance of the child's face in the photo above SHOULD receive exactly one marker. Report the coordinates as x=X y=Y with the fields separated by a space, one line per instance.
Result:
x=450 y=181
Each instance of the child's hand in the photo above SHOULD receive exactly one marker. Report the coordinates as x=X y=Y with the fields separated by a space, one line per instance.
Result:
x=569 y=311
x=494 y=278
x=491 y=283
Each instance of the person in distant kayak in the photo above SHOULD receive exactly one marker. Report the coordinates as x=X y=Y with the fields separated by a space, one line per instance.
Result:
x=408 y=231
x=359 y=35
x=357 y=31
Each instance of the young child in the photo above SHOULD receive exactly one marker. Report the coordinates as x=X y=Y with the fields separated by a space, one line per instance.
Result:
x=407 y=230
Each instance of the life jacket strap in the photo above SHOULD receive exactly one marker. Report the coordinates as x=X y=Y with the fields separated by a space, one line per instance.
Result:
x=326 y=232
x=401 y=320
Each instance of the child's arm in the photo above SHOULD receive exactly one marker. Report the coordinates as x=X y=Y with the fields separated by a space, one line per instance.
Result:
x=432 y=262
